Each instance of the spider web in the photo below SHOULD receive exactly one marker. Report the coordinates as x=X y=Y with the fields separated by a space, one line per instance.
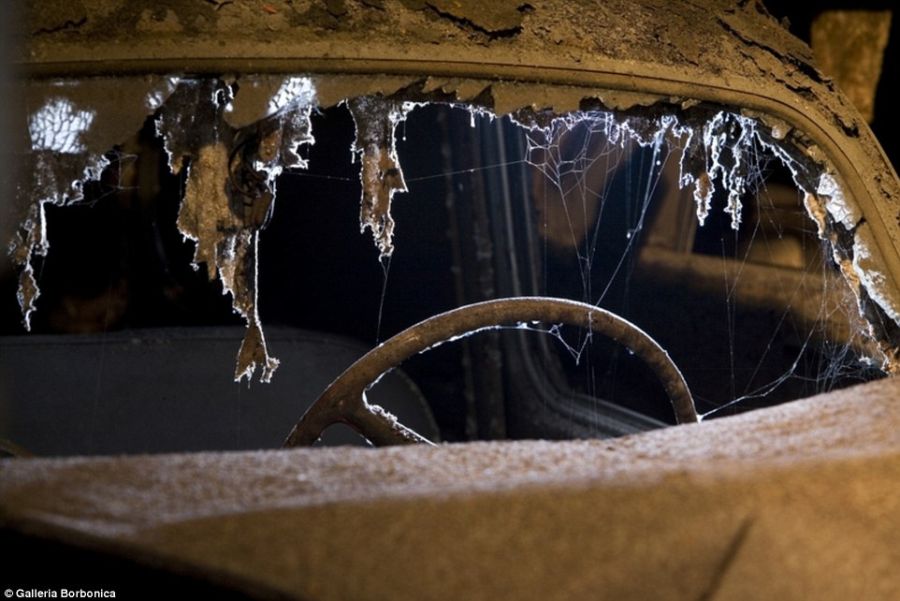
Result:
x=702 y=227
x=591 y=165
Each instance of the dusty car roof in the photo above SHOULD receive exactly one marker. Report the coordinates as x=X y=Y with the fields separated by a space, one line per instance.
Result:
x=734 y=42
x=715 y=35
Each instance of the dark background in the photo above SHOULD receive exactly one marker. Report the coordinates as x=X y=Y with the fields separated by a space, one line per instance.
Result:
x=885 y=125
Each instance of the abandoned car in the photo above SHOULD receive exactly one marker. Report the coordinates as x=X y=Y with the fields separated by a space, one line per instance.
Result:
x=513 y=243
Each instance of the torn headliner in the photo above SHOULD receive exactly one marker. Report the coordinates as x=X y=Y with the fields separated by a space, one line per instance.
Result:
x=618 y=55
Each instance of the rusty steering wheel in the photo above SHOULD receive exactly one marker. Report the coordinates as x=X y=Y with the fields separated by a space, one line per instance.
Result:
x=344 y=400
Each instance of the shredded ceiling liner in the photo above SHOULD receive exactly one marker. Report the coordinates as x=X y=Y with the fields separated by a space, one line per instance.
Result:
x=232 y=137
x=376 y=120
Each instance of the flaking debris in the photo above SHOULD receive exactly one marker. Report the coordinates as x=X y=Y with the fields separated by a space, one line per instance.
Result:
x=57 y=179
x=838 y=205
x=717 y=153
x=230 y=187
x=501 y=17
x=69 y=128
x=376 y=120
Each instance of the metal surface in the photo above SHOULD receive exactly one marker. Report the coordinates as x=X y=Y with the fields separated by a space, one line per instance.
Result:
x=344 y=400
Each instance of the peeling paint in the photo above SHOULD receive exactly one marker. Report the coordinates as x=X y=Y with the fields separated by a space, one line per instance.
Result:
x=376 y=121
x=465 y=90
x=841 y=209
x=332 y=90
x=501 y=17
x=510 y=97
x=869 y=268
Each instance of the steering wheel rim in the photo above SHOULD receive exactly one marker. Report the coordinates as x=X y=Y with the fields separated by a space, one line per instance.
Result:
x=344 y=399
